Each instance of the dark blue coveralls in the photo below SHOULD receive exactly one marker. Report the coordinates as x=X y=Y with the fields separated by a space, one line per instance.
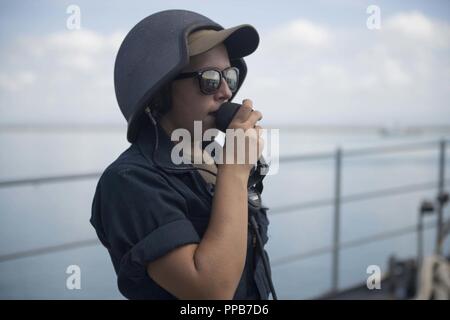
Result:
x=141 y=213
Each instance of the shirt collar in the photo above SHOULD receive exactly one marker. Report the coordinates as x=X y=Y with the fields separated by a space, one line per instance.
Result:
x=146 y=141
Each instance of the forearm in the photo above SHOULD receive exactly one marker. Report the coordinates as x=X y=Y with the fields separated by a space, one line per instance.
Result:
x=220 y=256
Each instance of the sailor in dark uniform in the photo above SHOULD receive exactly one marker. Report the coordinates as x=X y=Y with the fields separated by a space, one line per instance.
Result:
x=178 y=231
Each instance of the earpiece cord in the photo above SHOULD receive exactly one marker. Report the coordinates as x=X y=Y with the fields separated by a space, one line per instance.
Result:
x=155 y=148
x=263 y=256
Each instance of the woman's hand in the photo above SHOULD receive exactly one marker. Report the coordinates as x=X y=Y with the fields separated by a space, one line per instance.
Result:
x=246 y=138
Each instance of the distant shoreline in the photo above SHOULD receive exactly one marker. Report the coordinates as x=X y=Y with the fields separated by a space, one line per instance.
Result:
x=311 y=128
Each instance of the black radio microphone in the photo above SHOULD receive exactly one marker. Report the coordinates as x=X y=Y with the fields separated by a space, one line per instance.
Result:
x=224 y=116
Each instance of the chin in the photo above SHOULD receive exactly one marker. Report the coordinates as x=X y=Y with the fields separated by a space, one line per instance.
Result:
x=209 y=123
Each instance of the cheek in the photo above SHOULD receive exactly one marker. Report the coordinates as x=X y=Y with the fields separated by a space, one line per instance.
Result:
x=199 y=108
x=188 y=104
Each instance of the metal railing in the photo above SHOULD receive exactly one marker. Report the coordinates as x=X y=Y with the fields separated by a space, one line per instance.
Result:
x=338 y=199
x=335 y=202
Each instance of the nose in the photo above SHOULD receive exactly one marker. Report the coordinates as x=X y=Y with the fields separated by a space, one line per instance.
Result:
x=224 y=92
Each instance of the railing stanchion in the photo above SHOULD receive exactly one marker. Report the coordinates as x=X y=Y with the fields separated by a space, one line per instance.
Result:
x=336 y=222
x=441 y=186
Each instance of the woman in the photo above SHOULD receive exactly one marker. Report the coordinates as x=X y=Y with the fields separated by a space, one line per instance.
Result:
x=178 y=231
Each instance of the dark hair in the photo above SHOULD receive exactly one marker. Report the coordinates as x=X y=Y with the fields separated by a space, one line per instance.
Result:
x=161 y=103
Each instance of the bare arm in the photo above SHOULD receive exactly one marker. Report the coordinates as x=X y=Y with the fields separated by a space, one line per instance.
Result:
x=212 y=269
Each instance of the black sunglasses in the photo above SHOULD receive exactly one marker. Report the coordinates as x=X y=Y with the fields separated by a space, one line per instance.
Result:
x=210 y=79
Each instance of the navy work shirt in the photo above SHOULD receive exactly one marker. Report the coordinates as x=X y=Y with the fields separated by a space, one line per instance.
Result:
x=141 y=212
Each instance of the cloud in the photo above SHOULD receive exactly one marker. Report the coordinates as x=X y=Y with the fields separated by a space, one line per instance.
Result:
x=301 y=32
x=354 y=76
x=16 y=81
x=67 y=76
x=415 y=27
x=79 y=50
x=303 y=72
x=294 y=41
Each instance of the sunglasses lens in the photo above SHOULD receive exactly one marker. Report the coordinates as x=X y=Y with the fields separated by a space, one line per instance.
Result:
x=210 y=81
x=232 y=78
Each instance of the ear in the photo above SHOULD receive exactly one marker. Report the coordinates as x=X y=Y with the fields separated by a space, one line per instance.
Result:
x=161 y=101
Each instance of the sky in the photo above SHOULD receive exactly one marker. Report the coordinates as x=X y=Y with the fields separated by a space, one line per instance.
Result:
x=318 y=63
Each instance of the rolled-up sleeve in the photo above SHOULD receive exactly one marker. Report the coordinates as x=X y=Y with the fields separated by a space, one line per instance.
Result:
x=139 y=217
